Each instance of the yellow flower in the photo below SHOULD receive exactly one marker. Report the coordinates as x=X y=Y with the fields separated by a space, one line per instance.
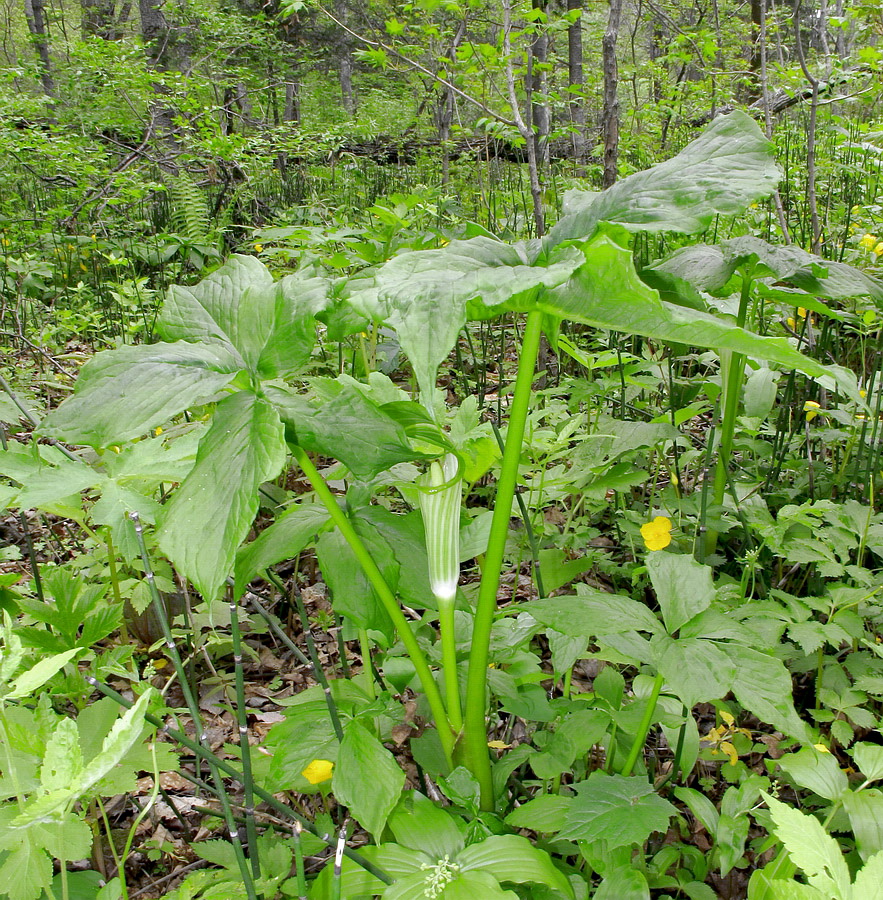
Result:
x=879 y=248
x=157 y=431
x=869 y=241
x=792 y=323
x=719 y=740
x=498 y=745
x=318 y=770
x=811 y=408
x=258 y=248
x=821 y=748
x=657 y=534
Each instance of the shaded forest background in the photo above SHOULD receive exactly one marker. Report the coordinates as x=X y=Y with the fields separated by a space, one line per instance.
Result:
x=203 y=121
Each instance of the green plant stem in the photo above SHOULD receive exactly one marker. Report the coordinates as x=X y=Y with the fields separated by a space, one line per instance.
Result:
x=251 y=833
x=225 y=767
x=644 y=727
x=732 y=384
x=192 y=705
x=387 y=598
x=528 y=526
x=449 y=663
x=299 y=868
x=476 y=754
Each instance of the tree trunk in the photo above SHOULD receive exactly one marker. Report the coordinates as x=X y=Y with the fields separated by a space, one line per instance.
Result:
x=536 y=188
x=841 y=35
x=758 y=9
x=165 y=41
x=576 y=81
x=811 y=194
x=166 y=49
x=610 y=115
x=538 y=55
x=345 y=59
x=445 y=109
x=291 y=113
x=98 y=19
x=35 y=14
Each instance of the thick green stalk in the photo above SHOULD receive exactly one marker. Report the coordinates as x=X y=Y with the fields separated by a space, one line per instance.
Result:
x=449 y=663
x=475 y=735
x=387 y=598
x=643 y=728
x=732 y=385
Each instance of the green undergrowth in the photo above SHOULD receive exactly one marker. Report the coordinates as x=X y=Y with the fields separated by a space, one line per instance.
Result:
x=595 y=519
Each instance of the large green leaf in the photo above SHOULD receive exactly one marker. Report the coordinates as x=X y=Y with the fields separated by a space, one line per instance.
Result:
x=419 y=824
x=351 y=593
x=616 y=809
x=865 y=811
x=684 y=587
x=42 y=483
x=212 y=310
x=469 y=886
x=283 y=540
x=696 y=670
x=812 y=849
x=794 y=890
x=623 y=883
x=25 y=871
x=591 y=612
x=816 y=771
x=211 y=512
x=729 y=166
x=869 y=760
x=607 y=293
x=120 y=394
x=424 y=294
x=710 y=267
x=269 y=324
x=869 y=880
x=404 y=534
x=544 y=814
x=367 y=778
x=762 y=685
x=510 y=857
x=306 y=734
x=342 y=423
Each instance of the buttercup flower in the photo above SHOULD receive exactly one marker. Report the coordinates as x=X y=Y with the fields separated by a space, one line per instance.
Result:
x=318 y=770
x=258 y=248
x=869 y=241
x=657 y=534
x=811 y=408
